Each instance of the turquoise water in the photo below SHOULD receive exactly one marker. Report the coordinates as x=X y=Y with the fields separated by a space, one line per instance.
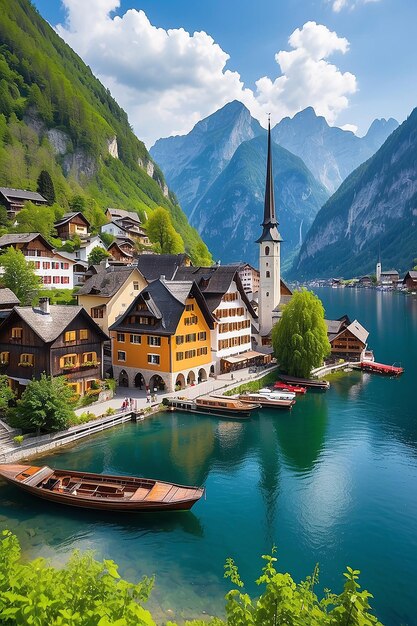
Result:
x=335 y=481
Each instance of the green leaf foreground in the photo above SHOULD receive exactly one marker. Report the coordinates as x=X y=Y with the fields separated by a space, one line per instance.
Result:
x=87 y=592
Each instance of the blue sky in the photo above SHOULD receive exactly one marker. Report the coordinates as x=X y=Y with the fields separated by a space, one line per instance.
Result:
x=353 y=60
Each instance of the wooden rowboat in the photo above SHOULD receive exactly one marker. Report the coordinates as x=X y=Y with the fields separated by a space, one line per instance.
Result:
x=100 y=491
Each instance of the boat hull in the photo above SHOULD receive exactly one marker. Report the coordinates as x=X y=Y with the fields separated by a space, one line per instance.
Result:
x=201 y=410
x=321 y=385
x=267 y=403
x=107 y=503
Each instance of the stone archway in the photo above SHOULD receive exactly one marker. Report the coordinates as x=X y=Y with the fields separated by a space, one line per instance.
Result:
x=123 y=379
x=191 y=378
x=202 y=375
x=156 y=382
x=180 y=382
x=140 y=381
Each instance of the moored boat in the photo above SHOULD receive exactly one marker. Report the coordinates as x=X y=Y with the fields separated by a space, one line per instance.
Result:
x=268 y=400
x=310 y=383
x=287 y=387
x=230 y=408
x=276 y=393
x=100 y=491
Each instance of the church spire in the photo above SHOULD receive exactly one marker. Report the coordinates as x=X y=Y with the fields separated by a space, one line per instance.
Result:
x=270 y=223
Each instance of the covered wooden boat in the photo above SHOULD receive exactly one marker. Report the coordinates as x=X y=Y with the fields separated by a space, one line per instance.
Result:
x=271 y=401
x=100 y=491
x=230 y=408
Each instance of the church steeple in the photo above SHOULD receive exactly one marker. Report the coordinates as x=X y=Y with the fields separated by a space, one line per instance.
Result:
x=270 y=223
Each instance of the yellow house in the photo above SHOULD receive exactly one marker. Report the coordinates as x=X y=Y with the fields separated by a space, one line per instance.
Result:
x=107 y=295
x=163 y=339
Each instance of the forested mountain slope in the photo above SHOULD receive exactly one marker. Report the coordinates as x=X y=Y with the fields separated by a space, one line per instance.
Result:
x=56 y=116
x=374 y=212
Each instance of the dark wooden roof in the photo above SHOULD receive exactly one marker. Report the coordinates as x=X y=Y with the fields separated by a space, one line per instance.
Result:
x=153 y=266
x=165 y=302
x=70 y=216
x=22 y=194
x=15 y=238
x=107 y=281
x=8 y=297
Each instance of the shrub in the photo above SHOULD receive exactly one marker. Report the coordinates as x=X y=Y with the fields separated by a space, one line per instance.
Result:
x=18 y=439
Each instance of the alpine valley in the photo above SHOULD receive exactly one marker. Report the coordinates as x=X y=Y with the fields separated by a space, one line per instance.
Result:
x=56 y=116
x=372 y=214
x=216 y=173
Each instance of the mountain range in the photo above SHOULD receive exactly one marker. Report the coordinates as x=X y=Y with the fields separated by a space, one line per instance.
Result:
x=372 y=214
x=220 y=185
x=56 y=116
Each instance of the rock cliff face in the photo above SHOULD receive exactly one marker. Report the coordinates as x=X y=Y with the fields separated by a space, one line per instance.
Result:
x=192 y=162
x=374 y=210
x=330 y=153
x=229 y=214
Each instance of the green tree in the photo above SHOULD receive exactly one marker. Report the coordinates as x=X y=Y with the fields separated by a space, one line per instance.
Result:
x=36 y=219
x=45 y=405
x=45 y=187
x=162 y=233
x=300 y=338
x=6 y=394
x=200 y=255
x=97 y=255
x=19 y=276
x=86 y=592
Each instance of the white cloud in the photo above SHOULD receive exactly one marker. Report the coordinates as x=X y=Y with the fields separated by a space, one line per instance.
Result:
x=167 y=80
x=352 y=127
x=338 y=5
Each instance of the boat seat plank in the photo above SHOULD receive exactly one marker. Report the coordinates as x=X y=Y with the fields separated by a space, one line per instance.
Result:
x=140 y=493
x=36 y=478
x=158 y=492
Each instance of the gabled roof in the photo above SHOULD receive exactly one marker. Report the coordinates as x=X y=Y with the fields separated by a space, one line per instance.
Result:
x=122 y=214
x=214 y=282
x=50 y=326
x=15 y=238
x=358 y=331
x=22 y=194
x=389 y=273
x=337 y=327
x=69 y=216
x=107 y=281
x=8 y=297
x=165 y=302
x=411 y=274
x=153 y=266
x=115 y=244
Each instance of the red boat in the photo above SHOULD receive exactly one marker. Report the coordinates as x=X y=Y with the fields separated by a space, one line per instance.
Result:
x=381 y=368
x=292 y=388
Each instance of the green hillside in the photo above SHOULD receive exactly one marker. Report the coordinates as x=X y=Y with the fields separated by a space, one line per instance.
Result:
x=56 y=116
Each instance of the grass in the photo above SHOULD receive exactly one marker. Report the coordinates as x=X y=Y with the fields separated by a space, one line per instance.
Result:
x=254 y=385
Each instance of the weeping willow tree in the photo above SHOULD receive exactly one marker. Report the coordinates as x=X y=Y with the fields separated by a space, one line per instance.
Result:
x=300 y=338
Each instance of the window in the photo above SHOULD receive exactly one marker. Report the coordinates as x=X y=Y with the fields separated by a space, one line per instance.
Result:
x=68 y=361
x=154 y=341
x=97 y=313
x=154 y=359
x=189 y=307
x=26 y=359
x=121 y=337
x=46 y=265
x=267 y=250
x=37 y=265
x=65 y=266
x=180 y=356
x=191 y=337
x=83 y=333
x=90 y=357
x=16 y=333
x=190 y=320
x=65 y=280
x=202 y=336
x=135 y=339
x=201 y=351
x=121 y=356
x=268 y=274
x=55 y=265
x=47 y=280
x=74 y=387
x=56 y=280
x=179 y=339
x=4 y=358
x=70 y=335
x=135 y=285
x=189 y=354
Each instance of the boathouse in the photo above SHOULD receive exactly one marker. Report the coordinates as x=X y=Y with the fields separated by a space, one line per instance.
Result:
x=347 y=339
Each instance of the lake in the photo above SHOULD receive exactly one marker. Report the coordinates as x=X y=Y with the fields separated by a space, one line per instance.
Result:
x=334 y=481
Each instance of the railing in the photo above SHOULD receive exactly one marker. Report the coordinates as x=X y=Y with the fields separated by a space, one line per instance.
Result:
x=80 y=366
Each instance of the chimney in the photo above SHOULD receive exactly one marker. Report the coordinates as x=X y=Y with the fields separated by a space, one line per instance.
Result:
x=104 y=263
x=44 y=306
x=162 y=277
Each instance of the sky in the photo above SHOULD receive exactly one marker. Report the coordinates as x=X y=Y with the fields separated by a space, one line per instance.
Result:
x=170 y=63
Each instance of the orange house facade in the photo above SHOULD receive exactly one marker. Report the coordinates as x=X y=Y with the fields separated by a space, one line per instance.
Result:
x=162 y=342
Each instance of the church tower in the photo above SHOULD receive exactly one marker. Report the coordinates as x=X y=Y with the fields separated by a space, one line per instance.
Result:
x=269 y=253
